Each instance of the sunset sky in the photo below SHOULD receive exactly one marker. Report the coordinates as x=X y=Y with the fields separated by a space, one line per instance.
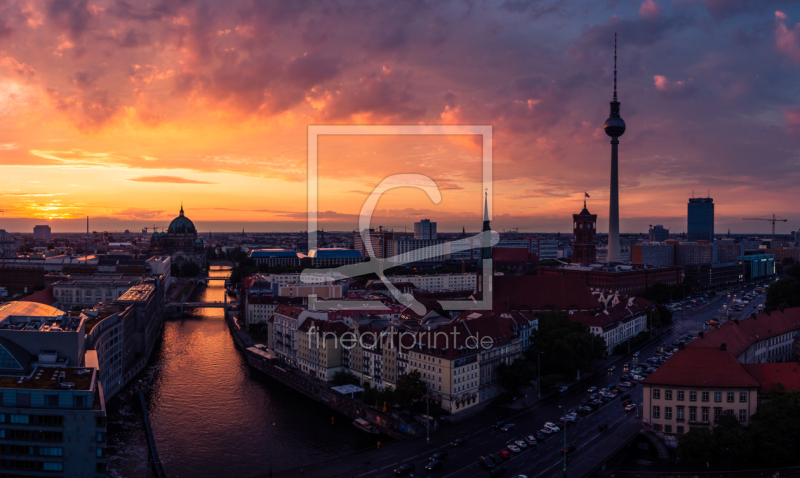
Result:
x=120 y=110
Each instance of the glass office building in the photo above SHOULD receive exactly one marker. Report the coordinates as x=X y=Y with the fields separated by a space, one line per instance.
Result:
x=701 y=220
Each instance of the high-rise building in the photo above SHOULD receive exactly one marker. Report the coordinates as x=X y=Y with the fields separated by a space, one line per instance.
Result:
x=727 y=252
x=658 y=233
x=377 y=239
x=425 y=229
x=700 y=220
x=614 y=127
x=584 y=250
x=41 y=233
x=6 y=244
x=653 y=254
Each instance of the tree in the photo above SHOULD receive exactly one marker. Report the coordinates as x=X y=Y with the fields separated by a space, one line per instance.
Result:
x=515 y=376
x=783 y=293
x=793 y=270
x=655 y=319
x=664 y=314
x=565 y=346
x=696 y=448
x=410 y=388
x=344 y=378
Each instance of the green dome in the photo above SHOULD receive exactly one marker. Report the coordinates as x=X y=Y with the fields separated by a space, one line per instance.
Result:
x=181 y=225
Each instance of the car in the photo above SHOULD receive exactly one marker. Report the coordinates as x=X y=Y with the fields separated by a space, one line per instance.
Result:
x=568 y=449
x=434 y=465
x=504 y=454
x=439 y=455
x=591 y=390
x=531 y=440
x=546 y=431
x=405 y=469
x=611 y=368
x=514 y=448
x=594 y=396
x=603 y=390
x=626 y=402
x=636 y=379
x=586 y=409
x=552 y=426
x=626 y=366
x=487 y=462
x=507 y=427
x=497 y=471
x=563 y=420
x=521 y=444
x=541 y=436
x=626 y=396
x=499 y=425
x=636 y=354
x=584 y=401
x=626 y=384
x=497 y=457
x=572 y=417
x=458 y=442
x=630 y=407
x=563 y=389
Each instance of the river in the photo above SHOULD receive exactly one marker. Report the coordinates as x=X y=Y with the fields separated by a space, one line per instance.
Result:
x=211 y=413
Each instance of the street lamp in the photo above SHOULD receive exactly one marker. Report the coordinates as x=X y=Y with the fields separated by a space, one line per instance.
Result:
x=539 y=369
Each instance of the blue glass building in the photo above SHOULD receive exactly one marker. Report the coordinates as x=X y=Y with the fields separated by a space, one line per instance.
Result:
x=701 y=220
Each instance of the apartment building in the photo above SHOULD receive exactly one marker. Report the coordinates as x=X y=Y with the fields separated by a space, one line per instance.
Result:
x=439 y=282
x=623 y=319
x=760 y=338
x=695 y=387
x=52 y=409
x=87 y=292
x=319 y=348
x=286 y=321
x=410 y=251
x=322 y=258
x=653 y=254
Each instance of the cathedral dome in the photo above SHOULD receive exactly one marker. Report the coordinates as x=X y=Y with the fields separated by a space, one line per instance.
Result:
x=181 y=225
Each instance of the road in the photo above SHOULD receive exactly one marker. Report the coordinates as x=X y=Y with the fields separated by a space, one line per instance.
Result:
x=543 y=460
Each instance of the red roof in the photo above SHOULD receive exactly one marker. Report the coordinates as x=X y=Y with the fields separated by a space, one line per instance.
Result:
x=770 y=374
x=542 y=293
x=739 y=337
x=451 y=341
x=42 y=297
x=247 y=283
x=702 y=367
x=625 y=310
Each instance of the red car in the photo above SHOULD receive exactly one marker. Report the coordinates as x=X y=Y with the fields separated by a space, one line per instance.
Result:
x=633 y=382
x=504 y=454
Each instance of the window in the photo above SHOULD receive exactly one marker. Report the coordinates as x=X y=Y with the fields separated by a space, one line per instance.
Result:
x=51 y=451
x=667 y=428
x=680 y=395
x=656 y=393
x=693 y=396
x=99 y=453
x=717 y=396
x=705 y=396
x=731 y=396
x=51 y=400
x=680 y=429
x=742 y=415
x=680 y=413
x=53 y=466
x=20 y=419
x=668 y=413
x=656 y=411
x=99 y=436
x=78 y=401
x=705 y=414
x=717 y=413
x=667 y=394
x=742 y=396
x=693 y=414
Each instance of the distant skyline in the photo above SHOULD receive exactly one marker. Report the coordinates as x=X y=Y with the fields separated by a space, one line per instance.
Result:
x=120 y=111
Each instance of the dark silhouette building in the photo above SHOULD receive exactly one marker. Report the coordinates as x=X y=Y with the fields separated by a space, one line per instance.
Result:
x=584 y=250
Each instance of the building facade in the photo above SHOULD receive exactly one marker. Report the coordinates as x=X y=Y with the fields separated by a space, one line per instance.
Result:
x=425 y=229
x=584 y=226
x=275 y=257
x=41 y=233
x=651 y=254
x=700 y=212
x=90 y=291
x=716 y=276
x=658 y=233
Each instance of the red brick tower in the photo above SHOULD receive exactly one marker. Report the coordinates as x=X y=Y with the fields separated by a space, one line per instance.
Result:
x=585 y=226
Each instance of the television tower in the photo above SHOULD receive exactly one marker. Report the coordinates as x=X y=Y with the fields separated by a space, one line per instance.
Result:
x=614 y=127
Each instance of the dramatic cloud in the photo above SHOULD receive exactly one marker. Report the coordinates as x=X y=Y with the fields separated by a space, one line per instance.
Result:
x=168 y=179
x=787 y=39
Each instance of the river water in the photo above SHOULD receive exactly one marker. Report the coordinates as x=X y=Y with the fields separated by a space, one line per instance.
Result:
x=211 y=413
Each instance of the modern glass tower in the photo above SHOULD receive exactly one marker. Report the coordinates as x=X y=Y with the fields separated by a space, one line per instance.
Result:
x=701 y=220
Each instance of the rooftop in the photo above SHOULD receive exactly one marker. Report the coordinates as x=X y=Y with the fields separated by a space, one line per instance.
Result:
x=47 y=378
x=334 y=253
x=137 y=293
x=542 y=293
x=702 y=367
x=268 y=253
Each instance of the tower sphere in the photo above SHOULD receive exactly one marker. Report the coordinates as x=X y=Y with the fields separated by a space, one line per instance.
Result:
x=614 y=127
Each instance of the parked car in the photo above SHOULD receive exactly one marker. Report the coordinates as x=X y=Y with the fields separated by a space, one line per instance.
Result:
x=592 y=389
x=568 y=449
x=439 y=455
x=458 y=442
x=434 y=465
x=522 y=444
x=405 y=469
x=541 y=436
x=626 y=384
x=552 y=426
x=546 y=431
x=514 y=448
x=487 y=462
x=497 y=471
x=507 y=427
x=563 y=389
x=630 y=407
x=611 y=368
x=497 y=457
x=531 y=440
x=636 y=354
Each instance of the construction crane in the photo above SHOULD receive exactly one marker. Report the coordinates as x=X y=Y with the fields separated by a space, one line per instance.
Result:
x=773 y=221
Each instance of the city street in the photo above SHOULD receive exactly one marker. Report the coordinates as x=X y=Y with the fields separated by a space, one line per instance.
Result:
x=543 y=460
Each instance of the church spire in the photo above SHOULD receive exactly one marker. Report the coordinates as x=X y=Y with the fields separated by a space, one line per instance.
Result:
x=181 y=208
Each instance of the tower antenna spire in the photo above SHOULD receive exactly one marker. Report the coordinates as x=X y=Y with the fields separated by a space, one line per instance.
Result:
x=615 y=66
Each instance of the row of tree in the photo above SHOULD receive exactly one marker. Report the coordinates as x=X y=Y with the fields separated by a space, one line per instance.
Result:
x=772 y=439
x=783 y=293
